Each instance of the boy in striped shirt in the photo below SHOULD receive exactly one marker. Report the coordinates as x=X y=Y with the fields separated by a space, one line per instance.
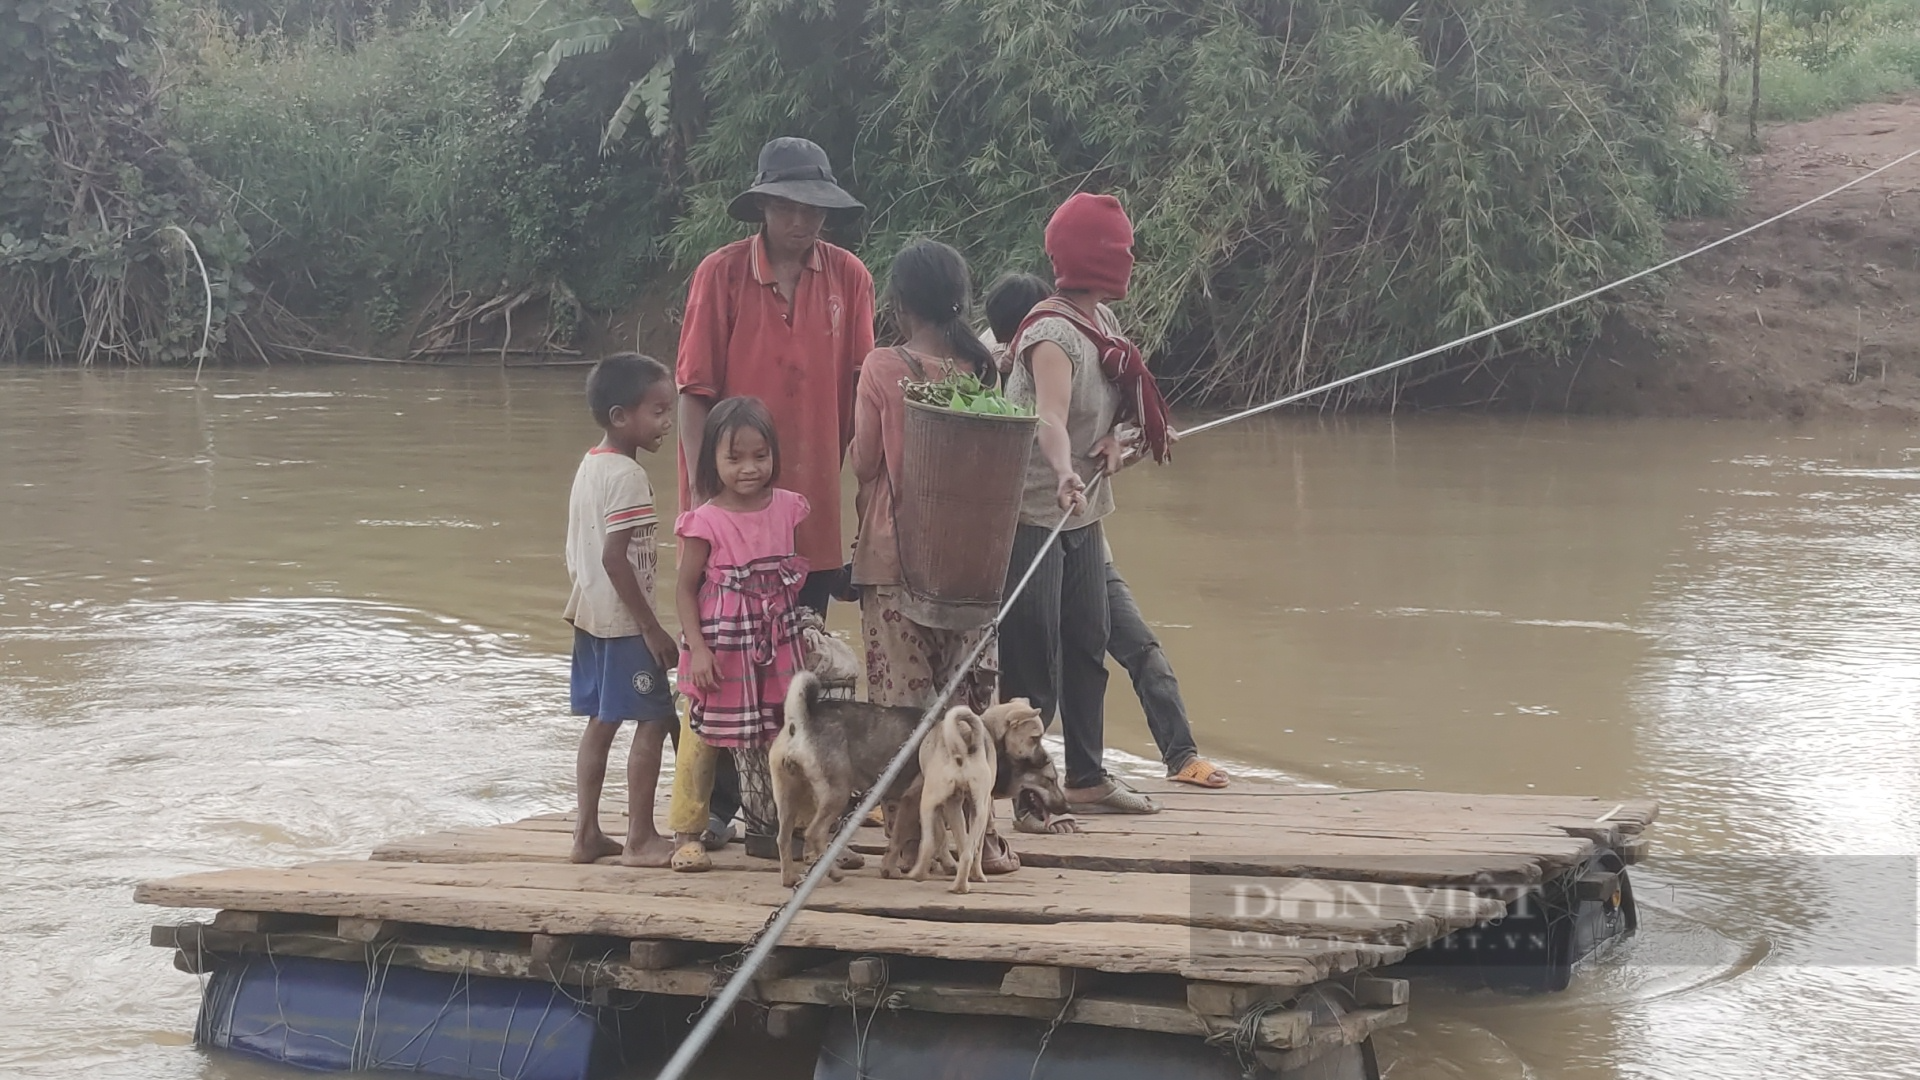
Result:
x=621 y=653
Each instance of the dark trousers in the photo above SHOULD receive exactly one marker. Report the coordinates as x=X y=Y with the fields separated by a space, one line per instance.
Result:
x=1132 y=642
x=819 y=588
x=1053 y=644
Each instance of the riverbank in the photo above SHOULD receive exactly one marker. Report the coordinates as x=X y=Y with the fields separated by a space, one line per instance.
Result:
x=1814 y=316
x=1811 y=317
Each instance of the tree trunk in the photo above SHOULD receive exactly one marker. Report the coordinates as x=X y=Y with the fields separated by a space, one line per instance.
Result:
x=1753 y=110
x=1723 y=25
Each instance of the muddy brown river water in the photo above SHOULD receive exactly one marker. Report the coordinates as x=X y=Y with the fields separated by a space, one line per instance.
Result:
x=293 y=613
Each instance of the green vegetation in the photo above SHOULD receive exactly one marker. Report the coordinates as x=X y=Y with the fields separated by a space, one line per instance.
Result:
x=1819 y=56
x=1317 y=185
x=111 y=244
x=373 y=175
x=961 y=392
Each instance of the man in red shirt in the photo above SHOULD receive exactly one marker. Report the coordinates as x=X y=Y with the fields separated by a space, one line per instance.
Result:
x=785 y=317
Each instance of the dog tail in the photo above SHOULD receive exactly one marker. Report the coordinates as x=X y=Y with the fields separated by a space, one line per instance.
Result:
x=963 y=731
x=973 y=731
x=803 y=694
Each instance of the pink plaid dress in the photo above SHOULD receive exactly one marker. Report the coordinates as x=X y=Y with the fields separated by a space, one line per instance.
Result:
x=747 y=618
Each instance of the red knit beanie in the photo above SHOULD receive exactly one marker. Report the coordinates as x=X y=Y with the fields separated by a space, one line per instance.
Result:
x=1091 y=243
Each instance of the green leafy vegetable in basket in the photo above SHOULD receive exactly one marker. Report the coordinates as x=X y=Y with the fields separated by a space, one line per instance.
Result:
x=963 y=393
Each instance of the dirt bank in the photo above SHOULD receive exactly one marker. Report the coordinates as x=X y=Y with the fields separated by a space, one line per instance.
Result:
x=1813 y=316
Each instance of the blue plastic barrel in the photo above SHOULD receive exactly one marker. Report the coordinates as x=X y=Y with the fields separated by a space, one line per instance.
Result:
x=333 y=1015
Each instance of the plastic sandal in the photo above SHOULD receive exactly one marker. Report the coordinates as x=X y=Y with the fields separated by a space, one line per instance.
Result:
x=1058 y=824
x=1201 y=773
x=718 y=835
x=1117 y=799
x=999 y=857
x=691 y=858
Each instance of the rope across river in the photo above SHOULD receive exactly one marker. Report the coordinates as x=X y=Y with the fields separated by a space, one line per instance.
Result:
x=776 y=927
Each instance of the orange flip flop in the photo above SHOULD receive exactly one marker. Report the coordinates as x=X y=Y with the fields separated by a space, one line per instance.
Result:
x=1201 y=773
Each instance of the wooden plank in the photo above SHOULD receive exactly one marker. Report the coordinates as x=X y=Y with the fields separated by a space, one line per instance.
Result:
x=268 y=922
x=985 y=1000
x=1227 y=1000
x=655 y=954
x=790 y=1021
x=1411 y=858
x=867 y=972
x=1393 y=861
x=1354 y=1028
x=206 y=941
x=1387 y=836
x=1310 y=808
x=1387 y=914
x=1277 y=1030
x=336 y=889
x=1380 y=993
x=552 y=953
x=688 y=980
x=785 y=961
x=1633 y=852
x=1028 y=980
x=354 y=928
x=551 y=949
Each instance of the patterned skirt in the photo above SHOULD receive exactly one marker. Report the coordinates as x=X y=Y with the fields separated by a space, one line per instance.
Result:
x=748 y=619
x=909 y=664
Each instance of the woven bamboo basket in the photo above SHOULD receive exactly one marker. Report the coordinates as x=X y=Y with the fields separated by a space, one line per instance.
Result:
x=961 y=479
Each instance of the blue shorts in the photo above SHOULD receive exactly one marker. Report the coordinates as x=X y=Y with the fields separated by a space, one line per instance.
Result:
x=617 y=679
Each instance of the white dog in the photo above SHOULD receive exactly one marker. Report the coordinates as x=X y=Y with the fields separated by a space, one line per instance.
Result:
x=956 y=795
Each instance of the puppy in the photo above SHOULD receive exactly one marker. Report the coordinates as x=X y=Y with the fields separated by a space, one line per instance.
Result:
x=956 y=794
x=828 y=750
x=1024 y=772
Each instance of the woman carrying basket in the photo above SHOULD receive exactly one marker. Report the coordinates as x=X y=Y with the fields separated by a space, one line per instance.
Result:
x=1074 y=365
x=908 y=664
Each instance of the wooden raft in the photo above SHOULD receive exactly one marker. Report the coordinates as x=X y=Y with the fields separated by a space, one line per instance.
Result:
x=1128 y=924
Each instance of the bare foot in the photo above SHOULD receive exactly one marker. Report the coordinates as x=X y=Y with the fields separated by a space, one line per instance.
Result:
x=592 y=847
x=656 y=852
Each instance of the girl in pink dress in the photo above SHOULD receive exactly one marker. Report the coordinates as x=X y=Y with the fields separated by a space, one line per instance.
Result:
x=739 y=577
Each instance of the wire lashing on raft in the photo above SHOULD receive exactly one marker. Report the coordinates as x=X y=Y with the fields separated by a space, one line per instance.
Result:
x=763 y=943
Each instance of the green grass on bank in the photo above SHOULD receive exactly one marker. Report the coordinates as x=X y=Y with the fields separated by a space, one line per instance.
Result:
x=1821 y=56
x=369 y=175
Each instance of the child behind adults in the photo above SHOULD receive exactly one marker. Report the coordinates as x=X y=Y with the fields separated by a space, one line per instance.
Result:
x=621 y=653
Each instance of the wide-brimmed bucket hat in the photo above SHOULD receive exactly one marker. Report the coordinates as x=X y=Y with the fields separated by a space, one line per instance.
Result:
x=794 y=169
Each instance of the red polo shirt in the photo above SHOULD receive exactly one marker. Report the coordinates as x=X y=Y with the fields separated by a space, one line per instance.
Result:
x=740 y=339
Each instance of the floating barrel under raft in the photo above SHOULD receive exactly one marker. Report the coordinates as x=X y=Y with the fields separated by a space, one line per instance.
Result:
x=1547 y=931
x=340 y=1016
x=335 y=1015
